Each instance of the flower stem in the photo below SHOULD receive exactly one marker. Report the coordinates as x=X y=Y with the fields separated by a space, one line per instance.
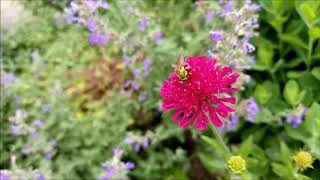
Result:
x=219 y=138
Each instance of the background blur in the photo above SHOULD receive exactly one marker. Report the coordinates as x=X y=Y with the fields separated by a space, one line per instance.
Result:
x=80 y=83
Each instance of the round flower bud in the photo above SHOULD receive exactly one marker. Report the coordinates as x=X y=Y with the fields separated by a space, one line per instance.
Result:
x=237 y=164
x=303 y=159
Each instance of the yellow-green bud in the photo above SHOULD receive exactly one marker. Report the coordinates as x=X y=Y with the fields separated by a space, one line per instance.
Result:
x=303 y=159
x=237 y=164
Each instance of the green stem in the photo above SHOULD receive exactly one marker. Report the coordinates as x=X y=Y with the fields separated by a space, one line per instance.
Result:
x=309 y=52
x=219 y=138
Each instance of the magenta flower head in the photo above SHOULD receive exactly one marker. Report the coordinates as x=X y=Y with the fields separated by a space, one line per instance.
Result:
x=196 y=92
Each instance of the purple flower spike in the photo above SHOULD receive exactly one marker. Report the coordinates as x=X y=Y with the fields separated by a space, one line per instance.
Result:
x=135 y=86
x=48 y=154
x=126 y=83
x=216 y=35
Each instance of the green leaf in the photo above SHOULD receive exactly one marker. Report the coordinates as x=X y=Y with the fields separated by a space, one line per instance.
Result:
x=246 y=147
x=307 y=11
x=294 y=74
x=294 y=40
x=262 y=94
x=291 y=92
x=265 y=56
x=316 y=72
x=278 y=22
x=263 y=116
x=286 y=156
x=280 y=170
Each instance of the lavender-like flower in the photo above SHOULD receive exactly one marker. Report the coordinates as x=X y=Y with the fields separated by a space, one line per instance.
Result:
x=296 y=117
x=146 y=66
x=252 y=109
x=143 y=23
x=135 y=86
x=216 y=35
x=158 y=37
x=208 y=17
x=8 y=78
x=129 y=165
x=38 y=123
x=46 y=108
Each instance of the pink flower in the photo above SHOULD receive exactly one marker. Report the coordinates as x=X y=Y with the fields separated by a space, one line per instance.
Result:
x=201 y=94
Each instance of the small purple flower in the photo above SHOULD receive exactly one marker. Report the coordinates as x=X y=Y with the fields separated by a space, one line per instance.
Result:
x=208 y=17
x=18 y=99
x=4 y=176
x=92 y=5
x=98 y=39
x=146 y=65
x=248 y=48
x=126 y=61
x=135 y=86
x=129 y=165
x=110 y=173
x=126 y=84
x=8 y=78
x=40 y=176
x=34 y=133
x=53 y=143
x=216 y=35
x=16 y=129
x=158 y=37
x=104 y=5
x=103 y=166
x=117 y=152
x=46 y=108
x=123 y=92
x=128 y=141
x=38 y=122
x=143 y=96
x=227 y=8
x=136 y=147
x=296 y=120
x=210 y=53
x=91 y=26
x=143 y=23
x=136 y=73
x=234 y=120
x=252 y=109
x=146 y=143
x=48 y=154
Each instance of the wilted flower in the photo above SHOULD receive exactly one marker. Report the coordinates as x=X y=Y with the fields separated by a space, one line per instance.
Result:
x=303 y=159
x=202 y=93
x=237 y=164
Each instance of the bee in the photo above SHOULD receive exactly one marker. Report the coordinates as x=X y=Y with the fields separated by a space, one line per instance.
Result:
x=183 y=69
